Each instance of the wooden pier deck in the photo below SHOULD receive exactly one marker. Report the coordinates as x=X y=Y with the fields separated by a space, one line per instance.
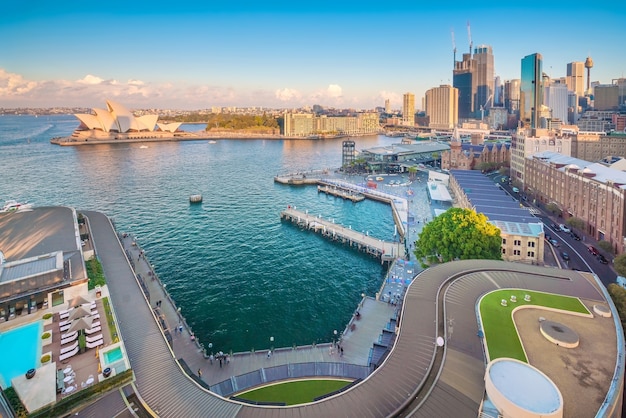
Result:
x=385 y=250
x=341 y=192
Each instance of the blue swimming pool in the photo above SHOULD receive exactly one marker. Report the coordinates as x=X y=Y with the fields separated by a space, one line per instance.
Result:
x=20 y=350
x=112 y=356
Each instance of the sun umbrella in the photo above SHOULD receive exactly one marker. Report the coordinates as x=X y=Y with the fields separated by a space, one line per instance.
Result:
x=77 y=300
x=80 y=312
x=81 y=323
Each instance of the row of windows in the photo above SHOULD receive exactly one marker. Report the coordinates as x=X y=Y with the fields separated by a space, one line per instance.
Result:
x=529 y=254
x=518 y=242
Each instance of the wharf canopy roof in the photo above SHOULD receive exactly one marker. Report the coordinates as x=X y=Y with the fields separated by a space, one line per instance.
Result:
x=117 y=118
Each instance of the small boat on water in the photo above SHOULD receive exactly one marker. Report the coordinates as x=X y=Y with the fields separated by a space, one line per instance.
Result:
x=14 y=206
x=212 y=142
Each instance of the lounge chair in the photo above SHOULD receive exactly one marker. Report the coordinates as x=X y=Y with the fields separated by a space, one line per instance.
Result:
x=95 y=315
x=64 y=328
x=63 y=323
x=91 y=339
x=69 y=348
x=95 y=343
x=93 y=330
x=69 y=335
x=64 y=314
x=69 y=354
x=73 y=337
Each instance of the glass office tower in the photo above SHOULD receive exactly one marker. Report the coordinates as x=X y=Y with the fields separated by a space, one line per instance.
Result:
x=531 y=90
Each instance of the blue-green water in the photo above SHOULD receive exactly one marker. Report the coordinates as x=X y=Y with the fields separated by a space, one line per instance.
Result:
x=23 y=346
x=239 y=275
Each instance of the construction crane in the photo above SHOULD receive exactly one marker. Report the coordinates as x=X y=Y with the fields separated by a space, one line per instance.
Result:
x=469 y=36
x=453 y=46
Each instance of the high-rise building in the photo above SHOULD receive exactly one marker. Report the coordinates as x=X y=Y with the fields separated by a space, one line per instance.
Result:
x=606 y=97
x=408 y=109
x=511 y=96
x=464 y=79
x=531 y=90
x=498 y=92
x=387 y=106
x=555 y=97
x=442 y=107
x=575 y=78
x=483 y=55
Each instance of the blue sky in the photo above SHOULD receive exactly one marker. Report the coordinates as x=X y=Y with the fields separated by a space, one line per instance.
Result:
x=280 y=54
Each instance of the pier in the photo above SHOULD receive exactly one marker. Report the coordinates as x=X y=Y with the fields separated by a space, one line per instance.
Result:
x=341 y=192
x=385 y=250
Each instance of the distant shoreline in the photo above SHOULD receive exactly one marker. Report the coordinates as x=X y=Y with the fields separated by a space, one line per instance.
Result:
x=183 y=136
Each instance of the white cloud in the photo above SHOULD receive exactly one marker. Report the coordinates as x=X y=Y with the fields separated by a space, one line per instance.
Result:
x=14 y=84
x=334 y=91
x=91 y=79
x=287 y=94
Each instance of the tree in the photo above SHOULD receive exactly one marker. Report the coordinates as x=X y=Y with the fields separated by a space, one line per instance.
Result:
x=619 y=263
x=618 y=294
x=554 y=208
x=606 y=246
x=458 y=234
x=412 y=172
x=576 y=223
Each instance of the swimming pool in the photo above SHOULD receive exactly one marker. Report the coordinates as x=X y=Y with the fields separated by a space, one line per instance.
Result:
x=112 y=356
x=20 y=350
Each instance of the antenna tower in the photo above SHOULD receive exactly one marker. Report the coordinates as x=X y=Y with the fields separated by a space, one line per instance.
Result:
x=453 y=46
x=469 y=36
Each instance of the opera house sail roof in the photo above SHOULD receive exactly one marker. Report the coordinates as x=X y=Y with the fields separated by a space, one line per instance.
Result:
x=117 y=119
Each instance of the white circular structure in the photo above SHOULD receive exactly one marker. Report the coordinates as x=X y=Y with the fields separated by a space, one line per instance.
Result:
x=520 y=390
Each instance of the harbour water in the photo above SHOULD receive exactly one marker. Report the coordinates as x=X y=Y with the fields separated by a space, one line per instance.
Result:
x=239 y=275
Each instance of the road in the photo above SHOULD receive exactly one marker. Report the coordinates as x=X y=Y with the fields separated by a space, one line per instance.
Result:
x=580 y=257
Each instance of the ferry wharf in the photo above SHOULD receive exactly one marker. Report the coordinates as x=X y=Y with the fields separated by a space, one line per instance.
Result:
x=385 y=250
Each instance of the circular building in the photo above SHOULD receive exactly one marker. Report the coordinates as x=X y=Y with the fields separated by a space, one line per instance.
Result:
x=518 y=389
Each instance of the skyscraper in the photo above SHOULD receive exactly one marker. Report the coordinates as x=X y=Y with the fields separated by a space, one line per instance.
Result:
x=483 y=55
x=575 y=78
x=442 y=107
x=531 y=90
x=387 y=106
x=464 y=79
x=408 y=109
x=555 y=97
x=511 y=96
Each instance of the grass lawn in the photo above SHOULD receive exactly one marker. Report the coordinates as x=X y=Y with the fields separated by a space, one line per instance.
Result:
x=294 y=393
x=500 y=333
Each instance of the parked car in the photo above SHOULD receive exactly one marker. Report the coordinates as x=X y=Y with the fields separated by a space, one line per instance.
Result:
x=554 y=242
x=564 y=256
x=602 y=259
x=575 y=236
x=593 y=250
x=564 y=228
x=554 y=226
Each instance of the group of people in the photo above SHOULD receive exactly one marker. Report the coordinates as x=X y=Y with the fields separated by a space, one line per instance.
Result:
x=221 y=357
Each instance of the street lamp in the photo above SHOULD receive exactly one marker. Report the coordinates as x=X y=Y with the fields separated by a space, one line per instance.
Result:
x=271 y=343
x=335 y=337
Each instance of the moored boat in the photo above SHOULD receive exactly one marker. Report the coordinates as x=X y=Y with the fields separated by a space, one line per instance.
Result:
x=14 y=206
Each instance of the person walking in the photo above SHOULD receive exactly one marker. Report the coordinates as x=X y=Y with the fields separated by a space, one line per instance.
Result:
x=199 y=373
x=211 y=359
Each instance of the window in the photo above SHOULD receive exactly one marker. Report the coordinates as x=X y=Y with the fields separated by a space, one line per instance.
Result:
x=531 y=244
x=504 y=251
x=517 y=242
x=517 y=252
x=531 y=254
x=504 y=241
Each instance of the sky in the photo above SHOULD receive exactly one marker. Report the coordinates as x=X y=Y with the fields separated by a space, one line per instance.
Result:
x=283 y=54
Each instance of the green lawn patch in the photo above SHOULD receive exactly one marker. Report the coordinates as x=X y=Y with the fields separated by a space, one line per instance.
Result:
x=499 y=330
x=294 y=393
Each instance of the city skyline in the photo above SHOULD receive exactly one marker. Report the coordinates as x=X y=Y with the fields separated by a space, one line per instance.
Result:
x=281 y=55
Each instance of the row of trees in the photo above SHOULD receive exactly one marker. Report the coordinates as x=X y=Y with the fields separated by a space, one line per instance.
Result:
x=226 y=121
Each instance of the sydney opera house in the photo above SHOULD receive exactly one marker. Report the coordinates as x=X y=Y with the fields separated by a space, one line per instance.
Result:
x=118 y=124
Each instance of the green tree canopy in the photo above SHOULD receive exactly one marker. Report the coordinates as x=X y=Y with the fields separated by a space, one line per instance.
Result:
x=459 y=234
x=618 y=294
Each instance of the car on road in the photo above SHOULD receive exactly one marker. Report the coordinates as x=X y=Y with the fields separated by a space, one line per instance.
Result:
x=554 y=242
x=554 y=226
x=564 y=228
x=593 y=250
x=602 y=259
x=575 y=236
x=565 y=256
